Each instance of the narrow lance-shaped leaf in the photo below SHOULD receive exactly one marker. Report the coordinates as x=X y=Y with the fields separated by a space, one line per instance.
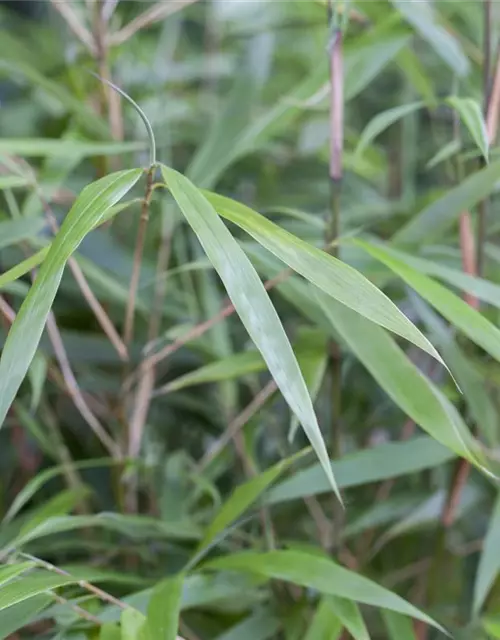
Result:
x=402 y=381
x=252 y=304
x=454 y=309
x=472 y=117
x=321 y=574
x=332 y=276
x=26 y=331
x=383 y=121
x=388 y=460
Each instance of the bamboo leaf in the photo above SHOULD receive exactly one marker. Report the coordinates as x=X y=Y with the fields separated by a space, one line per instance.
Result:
x=332 y=276
x=321 y=574
x=252 y=303
x=383 y=121
x=402 y=381
x=472 y=116
x=471 y=322
x=26 y=331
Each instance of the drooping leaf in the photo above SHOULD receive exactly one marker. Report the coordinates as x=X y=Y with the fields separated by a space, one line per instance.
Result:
x=472 y=384
x=383 y=121
x=252 y=304
x=9 y=572
x=26 y=331
x=319 y=573
x=489 y=564
x=470 y=321
x=332 y=276
x=414 y=393
x=472 y=116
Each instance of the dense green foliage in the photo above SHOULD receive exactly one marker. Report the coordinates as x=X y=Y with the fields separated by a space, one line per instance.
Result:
x=242 y=400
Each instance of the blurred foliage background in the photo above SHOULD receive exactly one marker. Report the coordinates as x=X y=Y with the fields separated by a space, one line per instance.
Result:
x=238 y=95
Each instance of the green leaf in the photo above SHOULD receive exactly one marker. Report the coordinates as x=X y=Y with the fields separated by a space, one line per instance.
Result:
x=367 y=466
x=439 y=216
x=36 y=483
x=252 y=304
x=59 y=505
x=134 y=527
x=368 y=57
x=19 y=615
x=332 y=276
x=478 y=287
x=133 y=625
x=325 y=625
x=423 y=18
x=322 y=574
x=402 y=381
x=242 y=498
x=11 y=182
x=491 y=626
x=33 y=585
x=445 y=153
x=489 y=564
x=110 y=631
x=15 y=231
x=10 y=571
x=164 y=609
x=472 y=116
x=234 y=366
x=398 y=626
x=472 y=383
x=26 y=331
x=22 y=268
x=383 y=121
x=261 y=625
x=65 y=148
x=349 y=615
x=473 y=324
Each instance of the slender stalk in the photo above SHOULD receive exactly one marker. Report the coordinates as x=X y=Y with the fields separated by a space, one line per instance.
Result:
x=128 y=331
x=483 y=205
x=333 y=228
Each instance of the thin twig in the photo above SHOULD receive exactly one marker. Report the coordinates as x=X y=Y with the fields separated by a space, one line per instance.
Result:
x=82 y=613
x=74 y=390
x=73 y=22
x=101 y=55
x=128 y=331
x=147 y=376
x=197 y=331
x=157 y=12
x=238 y=423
